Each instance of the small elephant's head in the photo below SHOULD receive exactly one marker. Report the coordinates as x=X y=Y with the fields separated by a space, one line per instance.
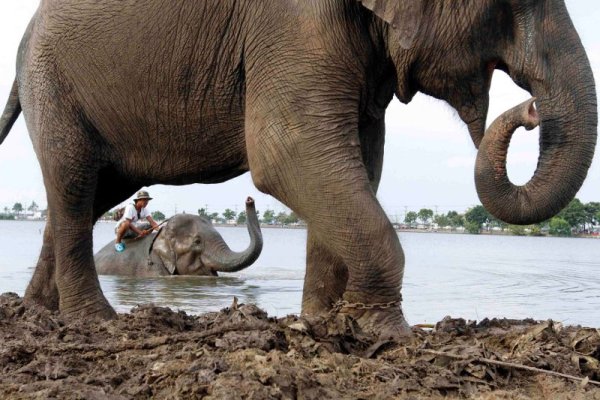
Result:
x=190 y=245
x=450 y=49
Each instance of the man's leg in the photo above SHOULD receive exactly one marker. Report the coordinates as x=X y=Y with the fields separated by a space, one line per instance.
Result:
x=122 y=228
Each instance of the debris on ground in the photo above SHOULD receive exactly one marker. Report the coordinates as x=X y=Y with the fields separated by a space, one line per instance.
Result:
x=241 y=353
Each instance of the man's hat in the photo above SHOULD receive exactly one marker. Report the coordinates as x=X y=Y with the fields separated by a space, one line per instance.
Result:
x=142 y=195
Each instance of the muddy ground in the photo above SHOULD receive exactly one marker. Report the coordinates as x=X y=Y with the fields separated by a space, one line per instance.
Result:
x=238 y=353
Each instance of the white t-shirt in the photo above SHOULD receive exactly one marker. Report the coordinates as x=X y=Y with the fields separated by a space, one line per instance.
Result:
x=132 y=214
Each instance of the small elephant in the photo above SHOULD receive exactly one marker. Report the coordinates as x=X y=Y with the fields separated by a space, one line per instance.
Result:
x=186 y=245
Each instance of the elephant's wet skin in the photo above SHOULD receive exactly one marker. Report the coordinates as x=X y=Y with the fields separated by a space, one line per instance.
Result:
x=186 y=245
x=118 y=95
x=240 y=352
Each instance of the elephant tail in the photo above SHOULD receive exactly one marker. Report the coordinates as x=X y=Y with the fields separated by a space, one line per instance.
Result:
x=11 y=112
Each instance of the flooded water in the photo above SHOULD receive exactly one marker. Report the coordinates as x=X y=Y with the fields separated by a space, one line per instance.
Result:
x=471 y=276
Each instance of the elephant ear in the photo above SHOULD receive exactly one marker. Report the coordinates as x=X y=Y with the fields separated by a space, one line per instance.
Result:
x=404 y=16
x=164 y=250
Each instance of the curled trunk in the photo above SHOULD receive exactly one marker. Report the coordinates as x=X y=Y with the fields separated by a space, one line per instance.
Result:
x=222 y=259
x=567 y=110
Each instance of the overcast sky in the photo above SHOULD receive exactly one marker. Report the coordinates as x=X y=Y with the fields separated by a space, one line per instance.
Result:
x=429 y=156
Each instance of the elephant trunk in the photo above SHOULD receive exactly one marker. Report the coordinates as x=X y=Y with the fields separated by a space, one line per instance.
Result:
x=567 y=108
x=222 y=259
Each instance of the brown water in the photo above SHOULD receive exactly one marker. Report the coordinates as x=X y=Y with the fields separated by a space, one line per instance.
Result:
x=472 y=276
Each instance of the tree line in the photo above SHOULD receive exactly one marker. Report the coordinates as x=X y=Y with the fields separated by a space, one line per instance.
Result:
x=575 y=219
x=229 y=216
x=269 y=217
x=17 y=211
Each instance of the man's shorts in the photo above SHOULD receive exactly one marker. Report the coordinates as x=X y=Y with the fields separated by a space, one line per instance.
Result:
x=141 y=225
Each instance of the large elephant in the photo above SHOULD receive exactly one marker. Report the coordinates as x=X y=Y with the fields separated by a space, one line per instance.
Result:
x=186 y=245
x=296 y=93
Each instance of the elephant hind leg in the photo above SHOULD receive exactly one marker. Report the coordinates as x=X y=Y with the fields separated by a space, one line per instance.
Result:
x=68 y=154
x=42 y=288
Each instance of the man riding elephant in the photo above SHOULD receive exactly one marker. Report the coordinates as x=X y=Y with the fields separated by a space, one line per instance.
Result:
x=136 y=220
x=185 y=245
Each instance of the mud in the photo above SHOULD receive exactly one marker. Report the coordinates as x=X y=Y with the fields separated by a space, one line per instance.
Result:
x=239 y=353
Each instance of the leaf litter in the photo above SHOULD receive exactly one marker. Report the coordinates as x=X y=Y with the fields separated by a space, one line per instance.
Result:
x=242 y=353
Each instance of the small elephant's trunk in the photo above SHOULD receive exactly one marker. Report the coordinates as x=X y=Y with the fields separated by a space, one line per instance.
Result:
x=225 y=260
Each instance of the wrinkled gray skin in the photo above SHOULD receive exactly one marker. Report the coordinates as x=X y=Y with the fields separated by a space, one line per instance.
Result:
x=186 y=245
x=121 y=94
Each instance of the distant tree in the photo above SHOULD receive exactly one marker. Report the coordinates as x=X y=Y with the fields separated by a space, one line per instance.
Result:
x=33 y=207
x=214 y=217
x=292 y=218
x=495 y=222
x=281 y=218
x=410 y=218
x=517 y=230
x=574 y=214
x=229 y=214
x=535 y=230
x=472 y=227
x=560 y=227
x=18 y=208
x=425 y=214
x=268 y=216
x=456 y=219
x=241 y=218
x=442 y=220
x=6 y=210
x=478 y=215
x=591 y=211
x=202 y=212
x=158 y=216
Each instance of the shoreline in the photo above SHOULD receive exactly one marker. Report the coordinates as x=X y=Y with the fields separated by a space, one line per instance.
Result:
x=409 y=230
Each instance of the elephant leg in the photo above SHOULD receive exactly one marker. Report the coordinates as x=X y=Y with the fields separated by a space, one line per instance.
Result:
x=318 y=171
x=326 y=274
x=76 y=278
x=42 y=288
x=68 y=156
x=325 y=278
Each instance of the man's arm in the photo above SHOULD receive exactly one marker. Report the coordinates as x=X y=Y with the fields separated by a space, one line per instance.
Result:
x=153 y=223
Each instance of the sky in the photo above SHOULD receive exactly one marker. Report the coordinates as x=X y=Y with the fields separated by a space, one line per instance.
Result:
x=429 y=156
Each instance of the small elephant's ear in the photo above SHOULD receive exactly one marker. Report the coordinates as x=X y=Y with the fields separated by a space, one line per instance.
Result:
x=404 y=16
x=163 y=249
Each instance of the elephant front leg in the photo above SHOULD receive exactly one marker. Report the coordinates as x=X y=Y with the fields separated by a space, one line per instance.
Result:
x=42 y=288
x=331 y=190
x=355 y=257
x=326 y=274
x=325 y=279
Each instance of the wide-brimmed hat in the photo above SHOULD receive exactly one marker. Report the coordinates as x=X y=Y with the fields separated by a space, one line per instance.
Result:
x=142 y=195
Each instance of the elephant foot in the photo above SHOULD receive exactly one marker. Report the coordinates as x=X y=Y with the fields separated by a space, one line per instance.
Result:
x=43 y=294
x=383 y=319
x=37 y=299
x=96 y=307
